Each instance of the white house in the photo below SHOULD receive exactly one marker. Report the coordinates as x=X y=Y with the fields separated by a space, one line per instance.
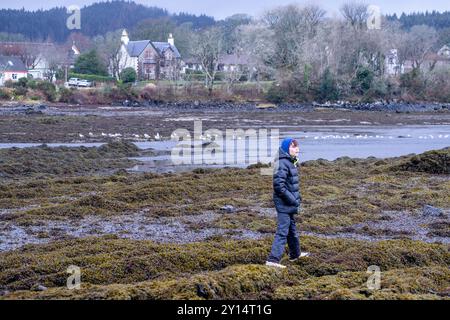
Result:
x=444 y=51
x=151 y=60
x=393 y=67
x=11 y=68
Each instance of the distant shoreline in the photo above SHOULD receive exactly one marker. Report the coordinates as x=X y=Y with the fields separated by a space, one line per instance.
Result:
x=241 y=106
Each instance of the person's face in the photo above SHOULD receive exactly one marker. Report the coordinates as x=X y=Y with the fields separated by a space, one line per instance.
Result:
x=294 y=150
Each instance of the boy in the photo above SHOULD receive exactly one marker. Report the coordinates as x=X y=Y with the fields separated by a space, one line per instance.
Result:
x=287 y=201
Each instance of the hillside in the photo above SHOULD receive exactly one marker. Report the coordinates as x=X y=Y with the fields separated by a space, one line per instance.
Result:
x=96 y=19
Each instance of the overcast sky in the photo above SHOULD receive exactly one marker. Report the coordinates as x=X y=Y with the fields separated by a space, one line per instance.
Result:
x=224 y=8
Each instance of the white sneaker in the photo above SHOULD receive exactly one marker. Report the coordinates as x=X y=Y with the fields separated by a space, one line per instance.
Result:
x=275 y=265
x=302 y=255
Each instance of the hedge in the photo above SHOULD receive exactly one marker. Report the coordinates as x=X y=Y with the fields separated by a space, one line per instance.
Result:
x=92 y=77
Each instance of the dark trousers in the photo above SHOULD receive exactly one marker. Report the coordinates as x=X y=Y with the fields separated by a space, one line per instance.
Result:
x=286 y=233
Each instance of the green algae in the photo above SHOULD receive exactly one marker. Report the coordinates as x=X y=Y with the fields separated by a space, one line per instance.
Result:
x=125 y=269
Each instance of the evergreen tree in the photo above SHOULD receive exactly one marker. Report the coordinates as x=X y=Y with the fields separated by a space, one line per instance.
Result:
x=90 y=63
x=328 y=88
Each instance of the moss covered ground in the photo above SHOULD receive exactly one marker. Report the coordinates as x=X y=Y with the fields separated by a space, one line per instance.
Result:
x=222 y=269
x=336 y=195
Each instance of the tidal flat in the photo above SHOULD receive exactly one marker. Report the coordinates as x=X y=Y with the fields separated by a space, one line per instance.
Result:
x=205 y=234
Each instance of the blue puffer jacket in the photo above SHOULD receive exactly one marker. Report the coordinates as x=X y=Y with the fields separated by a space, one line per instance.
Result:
x=286 y=185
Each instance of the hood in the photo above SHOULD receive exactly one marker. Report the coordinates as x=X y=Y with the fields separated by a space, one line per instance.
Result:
x=286 y=144
x=283 y=154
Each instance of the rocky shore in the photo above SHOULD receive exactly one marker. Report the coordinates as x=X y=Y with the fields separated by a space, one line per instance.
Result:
x=379 y=106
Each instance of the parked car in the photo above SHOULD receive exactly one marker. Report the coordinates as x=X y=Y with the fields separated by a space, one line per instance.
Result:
x=85 y=83
x=76 y=82
x=73 y=82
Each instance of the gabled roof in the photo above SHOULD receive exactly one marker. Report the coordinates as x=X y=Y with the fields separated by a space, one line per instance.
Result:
x=135 y=48
x=163 y=46
x=70 y=52
x=436 y=57
x=12 y=64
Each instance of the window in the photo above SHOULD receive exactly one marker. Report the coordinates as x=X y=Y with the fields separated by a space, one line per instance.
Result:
x=14 y=76
x=148 y=54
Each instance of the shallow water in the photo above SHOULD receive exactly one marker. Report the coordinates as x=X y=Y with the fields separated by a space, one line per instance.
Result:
x=327 y=143
x=139 y=226
x=135 y=226
x=316 y=142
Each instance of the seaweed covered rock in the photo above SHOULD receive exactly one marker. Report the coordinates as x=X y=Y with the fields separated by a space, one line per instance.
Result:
x=434 y=162
x=121 y=147
x=58 y=161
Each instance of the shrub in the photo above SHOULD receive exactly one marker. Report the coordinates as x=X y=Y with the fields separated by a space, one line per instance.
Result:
x=92 y=77
x=22 y=82
x=4 y=95
x=413 y=82
x=48 y=89
x=8 y=84
x=20 y=91
x=190 y=71
x=328 y=89
x=197 y=76
x=66 y=95
x=219 y=76
x=148 y=93
x=128 y=75
x=363 y=80
x=32 y=84
x=438 y=87
x=276 y=94
x=124 y=91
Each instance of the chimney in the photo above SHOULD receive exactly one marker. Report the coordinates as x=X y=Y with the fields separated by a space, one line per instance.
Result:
x=125 y=39
x=75 y=49
x=171 y=40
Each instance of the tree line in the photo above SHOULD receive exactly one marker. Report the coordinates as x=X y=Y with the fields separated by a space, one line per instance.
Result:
x=306 y=53
x=435 y=19
x=96 y=19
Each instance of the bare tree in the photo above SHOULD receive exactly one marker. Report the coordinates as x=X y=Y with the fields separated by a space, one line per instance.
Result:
x=109 y=49
x=256 y=41
x=56 y=59
x=11 y=49
x=313 y=17
x=207 y=48
x=417 y=44
x=292 y=26
x=287 y=24
x=356 y=13
x=28 y=53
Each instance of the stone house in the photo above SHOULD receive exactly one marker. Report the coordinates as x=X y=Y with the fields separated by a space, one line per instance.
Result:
x=151 y=60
